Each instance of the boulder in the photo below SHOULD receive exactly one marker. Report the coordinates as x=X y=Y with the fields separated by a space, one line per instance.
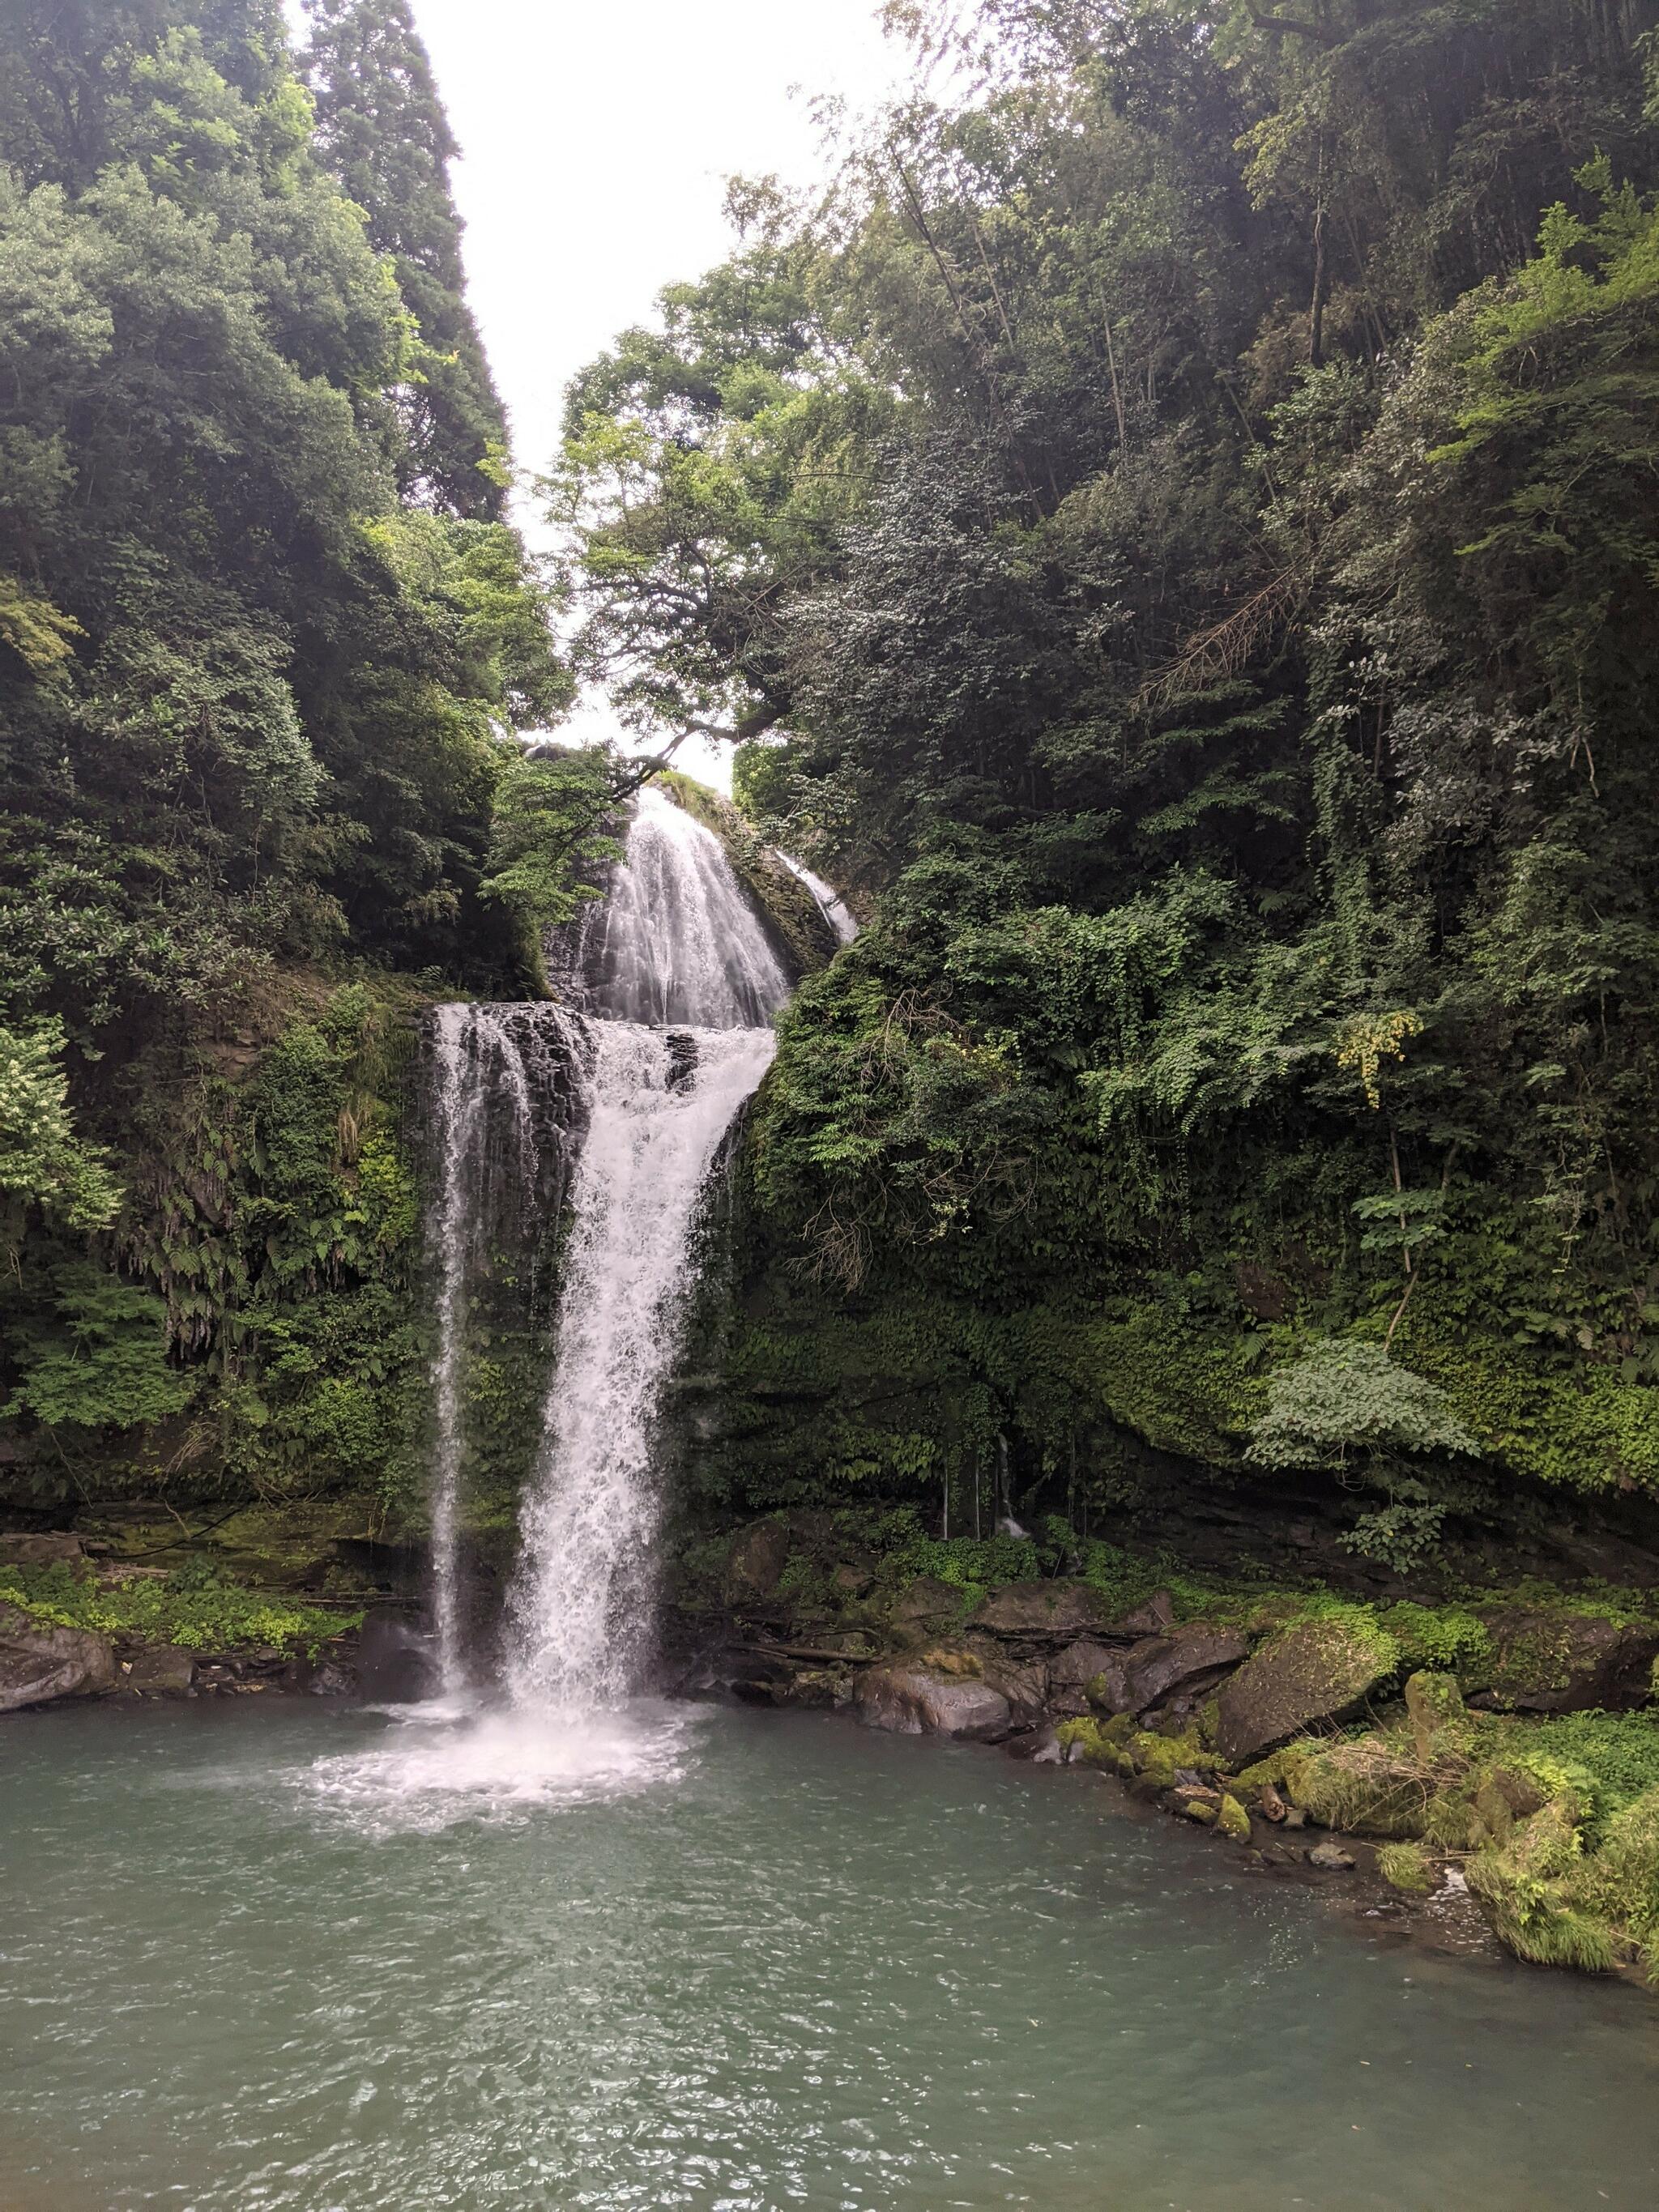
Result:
x=1315 y=1670
x=1044 y=1611
x=1331 y=1858
x=1566 y=1662
x=1232 y=1820
x=1185 y=1663
x=40 y=1662
x=1071 y=1672
x=1195 y=1800
x=162 y=1670
x=1150 y=1618
x=396 y=1663
x=914 y=1701
x=1026 y=1687
x=323 y=1677
x=1041 y=1746
x=925 y=1605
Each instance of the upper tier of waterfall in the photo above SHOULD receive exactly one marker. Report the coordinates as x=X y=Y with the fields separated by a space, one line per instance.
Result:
x=675 y=941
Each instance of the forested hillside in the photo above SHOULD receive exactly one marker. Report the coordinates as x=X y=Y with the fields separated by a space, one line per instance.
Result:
x=1176 y=529
x=1173 y=532
x=264 y=638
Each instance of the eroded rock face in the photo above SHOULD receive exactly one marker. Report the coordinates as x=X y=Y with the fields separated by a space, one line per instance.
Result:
x=1045 y=1612
x=1187 y=1662
x=1315 y=1671
x=914 y=1701
x=40 y=1663
x=46 y=1549
x=1549 y=1662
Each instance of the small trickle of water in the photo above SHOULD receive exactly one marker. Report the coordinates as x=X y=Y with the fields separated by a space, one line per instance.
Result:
x=829 y=902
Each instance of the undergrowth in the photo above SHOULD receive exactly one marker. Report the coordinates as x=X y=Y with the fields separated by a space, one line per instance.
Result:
x=195 y=1607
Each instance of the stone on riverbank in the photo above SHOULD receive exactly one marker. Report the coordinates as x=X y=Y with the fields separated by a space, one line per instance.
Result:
x=40 y=1663
x=1071 y=1673
x=1315 y=1671
x=917 y=1701
x=1187 y=1661
x=162 y=1670
x=1044 y=1611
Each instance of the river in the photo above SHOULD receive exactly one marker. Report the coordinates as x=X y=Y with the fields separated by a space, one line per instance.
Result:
x=291 y=1954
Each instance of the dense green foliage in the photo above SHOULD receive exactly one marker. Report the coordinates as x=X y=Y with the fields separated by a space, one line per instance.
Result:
x=382 y=131
x=264 y=640
x=1177 y=530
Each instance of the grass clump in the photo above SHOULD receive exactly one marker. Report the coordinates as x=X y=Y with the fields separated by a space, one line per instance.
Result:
x=1404 y=1867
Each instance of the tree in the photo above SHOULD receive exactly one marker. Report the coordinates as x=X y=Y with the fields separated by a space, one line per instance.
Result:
x=382 y=131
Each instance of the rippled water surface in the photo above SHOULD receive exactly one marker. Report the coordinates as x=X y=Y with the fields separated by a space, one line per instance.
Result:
x=293 y=1956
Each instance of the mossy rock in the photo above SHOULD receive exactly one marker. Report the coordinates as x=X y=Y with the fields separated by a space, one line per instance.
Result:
x=1620 y=1882
x=1052 y=1612
x=1369 y=1786
x=1404 y=1867
x=1232 y=1820
x=758 y=1556
x=1533 y=1909
x=1434 y=1704
x=1315 y=1670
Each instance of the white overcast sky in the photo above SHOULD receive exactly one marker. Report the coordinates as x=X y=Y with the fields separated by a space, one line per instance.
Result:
x=596 y=139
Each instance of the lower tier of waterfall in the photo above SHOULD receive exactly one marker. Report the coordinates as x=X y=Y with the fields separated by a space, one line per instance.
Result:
x=658 y=1104
x=506 y=1112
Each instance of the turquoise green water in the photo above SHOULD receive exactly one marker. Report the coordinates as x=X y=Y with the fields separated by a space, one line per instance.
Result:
x=286 y=1955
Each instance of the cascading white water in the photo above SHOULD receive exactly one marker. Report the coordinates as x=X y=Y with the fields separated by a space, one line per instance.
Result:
x=679 y=946
x=828 y=901
x=646 y=1103
x=675 y=940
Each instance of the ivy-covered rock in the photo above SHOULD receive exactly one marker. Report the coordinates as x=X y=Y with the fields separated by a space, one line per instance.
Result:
x=1567 y=1663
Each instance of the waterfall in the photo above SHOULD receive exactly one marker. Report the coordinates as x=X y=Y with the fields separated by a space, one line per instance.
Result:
x=828 y=901
x=678 y=982
x=676 y=940
x=502 y=1122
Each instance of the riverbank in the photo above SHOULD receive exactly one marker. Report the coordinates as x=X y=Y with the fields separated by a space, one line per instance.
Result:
x=1500 y=1744
x=1430 y=1757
